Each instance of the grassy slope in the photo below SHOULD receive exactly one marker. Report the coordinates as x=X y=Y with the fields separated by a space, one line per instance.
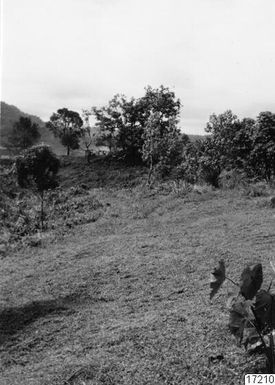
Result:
x=125 y=300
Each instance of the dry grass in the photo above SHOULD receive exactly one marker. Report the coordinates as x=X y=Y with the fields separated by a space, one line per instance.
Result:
x=125 y=300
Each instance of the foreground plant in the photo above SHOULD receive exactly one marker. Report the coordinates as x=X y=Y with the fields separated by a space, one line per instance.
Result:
x=252 y=311
x=37 y=170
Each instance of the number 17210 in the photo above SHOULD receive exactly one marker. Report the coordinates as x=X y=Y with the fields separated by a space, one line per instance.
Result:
x=264 y=379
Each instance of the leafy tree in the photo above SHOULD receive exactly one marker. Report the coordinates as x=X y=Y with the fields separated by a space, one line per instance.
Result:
x=188 y=169
x=162 y=101
x=151 y=144
x=129 y=138
x=136 y=114
x=222 y=129
x=159 y=118
x=263 y=153
x=201 y=162
x=162 y=149
x=87 y=139
x=24 y=134
x=228 y=147
x=109 y=120
x=242 y=145
x=220 y=125
x=37 y=169
x=67 y=126
x=121 y=126
x=122 y=122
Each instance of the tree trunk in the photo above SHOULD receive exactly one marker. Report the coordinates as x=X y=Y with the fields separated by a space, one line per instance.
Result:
x=88 y=156
x=150 y=160
x=150 y=170
x=110 y=146
x=68 y=150
x=42 y=211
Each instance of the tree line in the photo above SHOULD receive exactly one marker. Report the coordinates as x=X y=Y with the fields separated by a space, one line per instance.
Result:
x=145 y=131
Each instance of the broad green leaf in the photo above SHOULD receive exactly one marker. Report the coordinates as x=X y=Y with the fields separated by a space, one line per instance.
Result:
x=265 y=310
x=251 y=281
x=241 y=315
x=217 y=279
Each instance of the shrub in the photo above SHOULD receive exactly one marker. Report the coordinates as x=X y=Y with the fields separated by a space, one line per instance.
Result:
x=37 y=170
x=257 y=189
x=231 y=179
x=209 y=174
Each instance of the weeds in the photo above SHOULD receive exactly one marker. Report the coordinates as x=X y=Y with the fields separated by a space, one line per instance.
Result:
x=257 y=189
x=66 y=208
x=232 y=179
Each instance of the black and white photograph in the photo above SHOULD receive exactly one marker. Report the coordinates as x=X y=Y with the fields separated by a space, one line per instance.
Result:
x=137 y=192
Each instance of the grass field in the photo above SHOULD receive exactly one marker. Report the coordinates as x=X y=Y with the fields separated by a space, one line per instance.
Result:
x=125 y=299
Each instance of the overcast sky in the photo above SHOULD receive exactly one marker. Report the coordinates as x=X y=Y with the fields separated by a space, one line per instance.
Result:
x=215 y=54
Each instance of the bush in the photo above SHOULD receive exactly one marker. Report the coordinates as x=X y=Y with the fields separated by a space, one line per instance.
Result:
x=258 y=189
x=72 y=207
x=37 y=170
x=231 y=179
x=209 y=174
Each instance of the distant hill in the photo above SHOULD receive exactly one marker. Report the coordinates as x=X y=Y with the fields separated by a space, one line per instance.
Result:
x=11 y=114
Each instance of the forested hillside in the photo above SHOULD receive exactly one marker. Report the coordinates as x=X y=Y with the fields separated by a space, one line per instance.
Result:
x=11 y=114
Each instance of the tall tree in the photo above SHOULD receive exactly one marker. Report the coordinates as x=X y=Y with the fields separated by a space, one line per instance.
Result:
x=231 y=140
x=162 y=149
x=189 y=167
x=109 y=120
x=87 y=139
x=241 y=146
x=211 y=161
x=130 y=133
x=222 y=130
x=163 y=101
x=67 y=126
x=263 y=153
x=122 y=122
x=24 y=134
